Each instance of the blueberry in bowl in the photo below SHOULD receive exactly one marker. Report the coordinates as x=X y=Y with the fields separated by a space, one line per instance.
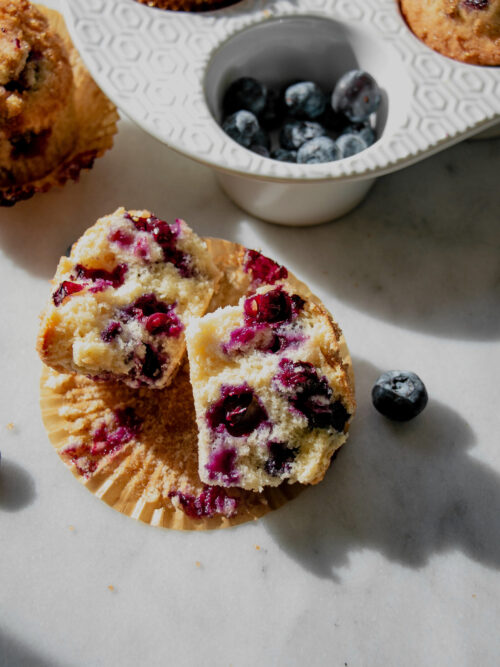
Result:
x=399 y=395
x=275 y=122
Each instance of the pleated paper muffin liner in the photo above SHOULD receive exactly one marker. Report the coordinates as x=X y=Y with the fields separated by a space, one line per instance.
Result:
x=96 y=119
x=136 y=449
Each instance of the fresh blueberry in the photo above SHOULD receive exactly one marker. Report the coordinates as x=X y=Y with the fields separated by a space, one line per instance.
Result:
x=297 y=132
x=305 y=100
x=260 y=150
x=242 y=126
x=284 y=155
x=364 y=130
x=274 y=112
x=319 y=149
x=368 y=135
x=245 y=93
x=350 y=144
x=357 y=95
x=399 y=395
x=262 y=139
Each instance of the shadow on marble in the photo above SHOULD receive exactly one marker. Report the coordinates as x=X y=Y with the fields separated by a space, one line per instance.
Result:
x=17 y=487
x=138 y=172
x=422 y=250
x=14 y=653
x=409 y=491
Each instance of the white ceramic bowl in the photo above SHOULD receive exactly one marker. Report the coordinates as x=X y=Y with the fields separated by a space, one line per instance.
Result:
x=168 y=71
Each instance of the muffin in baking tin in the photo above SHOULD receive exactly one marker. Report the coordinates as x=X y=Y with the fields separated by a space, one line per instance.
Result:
x=466 y=30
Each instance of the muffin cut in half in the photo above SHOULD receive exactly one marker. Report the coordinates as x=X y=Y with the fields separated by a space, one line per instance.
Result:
x=273 y=395
x=122 y=300
x=38 y=125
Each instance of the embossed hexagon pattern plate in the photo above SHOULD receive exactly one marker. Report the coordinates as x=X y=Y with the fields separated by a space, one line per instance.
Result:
x=153 y=64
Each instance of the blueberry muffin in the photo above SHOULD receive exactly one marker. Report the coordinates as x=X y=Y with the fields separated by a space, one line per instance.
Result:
x=273 y=396
x=122 y=299
x=37 y=113
x=466 y=30
x=187 y=5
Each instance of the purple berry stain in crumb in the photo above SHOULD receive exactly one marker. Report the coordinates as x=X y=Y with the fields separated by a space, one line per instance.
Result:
x=263 y=269
x=476 y=4
x=263 y=338
x=157 y=316
x=221 y=464
x=101 y=277
x=66 y=288
x=122 y=237
x=166 y=237
x=111 y=332
x=211 y=501
x=152 y=364
x=280 y=459
x=273 y=307
x=107 y=439
x=238 y=411
x=310 y=395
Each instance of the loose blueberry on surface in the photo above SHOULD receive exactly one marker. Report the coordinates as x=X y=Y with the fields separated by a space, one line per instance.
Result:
x=297 y=132
x=399 y=395
x=241 y=126
x=357 y=95
x=319 y=149
x=284 y=155
x=245 y=93
x=305 y=99
x=349 y=144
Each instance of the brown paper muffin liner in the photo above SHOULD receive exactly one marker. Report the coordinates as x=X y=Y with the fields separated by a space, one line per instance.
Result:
x=96 y=119
x=152 y=473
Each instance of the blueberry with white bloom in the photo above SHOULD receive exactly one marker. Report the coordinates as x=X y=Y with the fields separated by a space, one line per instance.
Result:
x=319 y=149
x=357 y=95
x=242 y=126
x=297 y=132
x=284 y=155
x=305 y=100
x=350 y=143
x=245 y=93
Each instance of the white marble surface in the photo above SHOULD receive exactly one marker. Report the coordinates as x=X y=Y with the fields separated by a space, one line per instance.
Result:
x=393 y=560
